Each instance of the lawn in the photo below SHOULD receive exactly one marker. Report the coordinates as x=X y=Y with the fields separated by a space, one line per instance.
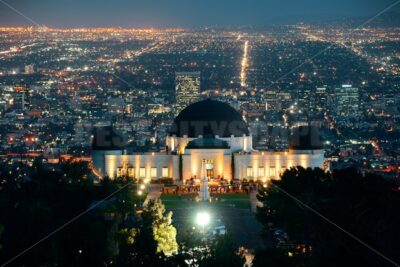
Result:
x=240 y=201
x=178 y=201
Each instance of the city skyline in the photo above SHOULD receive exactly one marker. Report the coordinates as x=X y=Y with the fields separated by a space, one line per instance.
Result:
x=131 y=134
x=177 y=13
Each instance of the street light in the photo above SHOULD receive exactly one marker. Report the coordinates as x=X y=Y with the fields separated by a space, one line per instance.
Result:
x=202 y=218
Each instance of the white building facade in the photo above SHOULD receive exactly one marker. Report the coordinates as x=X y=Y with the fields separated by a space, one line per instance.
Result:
x=214 y=132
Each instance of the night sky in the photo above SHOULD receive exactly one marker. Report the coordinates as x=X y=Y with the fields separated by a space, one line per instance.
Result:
x=189 y=13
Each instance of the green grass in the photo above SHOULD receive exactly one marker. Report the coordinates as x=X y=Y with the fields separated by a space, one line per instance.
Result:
x=241 y=201
x=220 y=200
x=178 y=201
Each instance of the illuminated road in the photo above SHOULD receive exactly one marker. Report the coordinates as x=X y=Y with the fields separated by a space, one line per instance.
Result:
x=244 y=65
x=375 y=61
x=152 y=47
x=16 y=49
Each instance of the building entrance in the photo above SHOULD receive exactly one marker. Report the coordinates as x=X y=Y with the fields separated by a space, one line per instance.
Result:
x=209 y=167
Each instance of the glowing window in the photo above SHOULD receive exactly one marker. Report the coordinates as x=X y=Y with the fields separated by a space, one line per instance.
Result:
x=261 y=172
x=142 y=172
x=119 y=172
x=249 y=172
x=165 y=172
x=131 y=172
x=153 y=172
x=272 y=172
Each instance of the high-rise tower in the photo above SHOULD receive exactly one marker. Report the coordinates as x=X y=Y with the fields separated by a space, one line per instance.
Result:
x=187 y=89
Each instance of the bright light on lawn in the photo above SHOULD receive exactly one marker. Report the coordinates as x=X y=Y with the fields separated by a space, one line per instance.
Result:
x=202 y=218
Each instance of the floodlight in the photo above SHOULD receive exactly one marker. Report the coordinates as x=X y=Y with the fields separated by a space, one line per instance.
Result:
x=202 y=218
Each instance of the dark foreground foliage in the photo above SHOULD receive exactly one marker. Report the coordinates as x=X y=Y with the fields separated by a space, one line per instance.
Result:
x=365 y=206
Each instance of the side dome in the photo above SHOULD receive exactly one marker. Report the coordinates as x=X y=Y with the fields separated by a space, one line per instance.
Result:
x=209 y=118
x=305 y=138
x=107 y=138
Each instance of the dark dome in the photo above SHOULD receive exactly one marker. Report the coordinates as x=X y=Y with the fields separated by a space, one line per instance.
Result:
x=305 y=138
x=106 y=138
x=209 y=118
x=207 y=143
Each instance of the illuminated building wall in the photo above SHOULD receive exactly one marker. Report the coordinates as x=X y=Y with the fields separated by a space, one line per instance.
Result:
x=269 y=165
x=251 y=166
x=220 y=159
x=142 y=166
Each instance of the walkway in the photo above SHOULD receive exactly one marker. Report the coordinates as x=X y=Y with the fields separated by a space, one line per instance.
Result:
x=155 y=191
x=254 y=203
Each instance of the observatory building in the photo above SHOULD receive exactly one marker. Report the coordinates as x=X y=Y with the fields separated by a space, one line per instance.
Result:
x=207 y=139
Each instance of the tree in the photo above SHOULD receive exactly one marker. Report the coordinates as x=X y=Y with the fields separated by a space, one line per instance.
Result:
x=1 y=232
x=223 y=252
x=163 y=230
x=150 y=242
x=364 y=206
x=273 y=257
x=219 y=250
x=126 y=240
x=76 y=171
x=47 y=200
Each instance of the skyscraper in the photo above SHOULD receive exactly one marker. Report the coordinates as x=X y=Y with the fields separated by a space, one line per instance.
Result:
x=321 y=98
x=347 y=101
x=271 y=100
x=187 y=89
x=20 y=97
x=306 y=100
